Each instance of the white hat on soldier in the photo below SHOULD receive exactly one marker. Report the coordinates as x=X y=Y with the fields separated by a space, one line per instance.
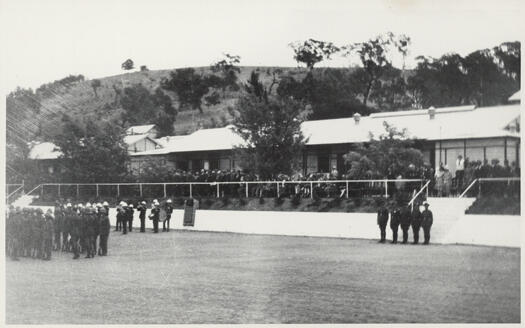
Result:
x=105 y=204
x=168 y=201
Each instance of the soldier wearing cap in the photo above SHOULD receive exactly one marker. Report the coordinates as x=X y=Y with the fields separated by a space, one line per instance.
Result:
x=169 y=209
x=416 y=223
x=47 y=236
x=142 y=215
x=405 y=218
x=120 y=210
x=104 y=227
x=75 y=230
x=59 y=214
x=382 y=220
x=129 y=216
x=121 y=217
x=66 y=227
x=154 y=216
x=426 y=222
x=394 y=224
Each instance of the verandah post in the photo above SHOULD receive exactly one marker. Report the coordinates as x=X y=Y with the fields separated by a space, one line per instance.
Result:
x=386 y=188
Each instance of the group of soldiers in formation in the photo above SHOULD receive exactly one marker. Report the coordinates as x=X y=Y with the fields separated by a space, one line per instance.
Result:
x=72 y=228
x=406 y=218
x=125 y=213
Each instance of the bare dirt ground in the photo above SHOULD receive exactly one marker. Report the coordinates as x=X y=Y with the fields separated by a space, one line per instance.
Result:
x=198 y=277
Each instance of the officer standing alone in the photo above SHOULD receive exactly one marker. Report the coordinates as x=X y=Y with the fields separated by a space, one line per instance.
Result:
x=426 y=222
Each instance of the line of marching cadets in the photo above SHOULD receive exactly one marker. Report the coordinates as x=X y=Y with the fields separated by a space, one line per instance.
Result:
x=72 y=228
x=405 y=218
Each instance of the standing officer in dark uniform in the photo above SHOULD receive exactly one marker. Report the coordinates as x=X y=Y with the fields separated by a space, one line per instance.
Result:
x=382 y=220
x=416 y=223
x=75 y=231
x=122 y=217
x=394 y=224
x=169 y=209
x=103 y=229
x=59 y=217
x=142 y=216
x=47 y=245
x=426 y=221
x=405 y=218
x=155 y=216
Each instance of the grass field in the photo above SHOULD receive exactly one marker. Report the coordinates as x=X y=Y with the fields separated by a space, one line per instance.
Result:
x=198 y=277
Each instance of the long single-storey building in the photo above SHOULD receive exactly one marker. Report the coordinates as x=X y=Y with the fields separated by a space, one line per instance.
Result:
x=441 y=133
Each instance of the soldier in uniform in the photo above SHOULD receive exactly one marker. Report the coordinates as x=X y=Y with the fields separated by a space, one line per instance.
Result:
x=416 y=223
x=104 y=227
x=122 y=217
x=169 y=209
x=47 y=236
x=57 y=225
x=405 y=218
x=75 y=231
x=155 y=216
x=66 y=228
x=394 y=224
x=426 y=222
x=142 y=215
x=118 y=225
x=382 y=220
x=129 y=214
x=38 y=233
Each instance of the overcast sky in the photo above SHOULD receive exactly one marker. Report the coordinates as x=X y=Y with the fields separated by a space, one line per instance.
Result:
x=47 y=40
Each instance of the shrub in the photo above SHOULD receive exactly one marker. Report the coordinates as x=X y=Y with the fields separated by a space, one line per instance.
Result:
x=278 y=201
x=242 y=201
x=296 y=200
x=225 y=201
x=261 y=200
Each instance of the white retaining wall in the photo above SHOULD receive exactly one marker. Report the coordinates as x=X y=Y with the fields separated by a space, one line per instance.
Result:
x=491 y=230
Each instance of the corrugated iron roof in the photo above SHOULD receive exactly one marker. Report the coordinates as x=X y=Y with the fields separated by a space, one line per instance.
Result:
x=140 y=129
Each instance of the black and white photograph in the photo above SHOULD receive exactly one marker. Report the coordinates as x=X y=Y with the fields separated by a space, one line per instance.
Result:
x=261 y=162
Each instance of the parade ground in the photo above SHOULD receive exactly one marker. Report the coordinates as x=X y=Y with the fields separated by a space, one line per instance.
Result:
x=200 y=277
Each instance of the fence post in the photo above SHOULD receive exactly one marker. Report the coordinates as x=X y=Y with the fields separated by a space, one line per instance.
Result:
x=140 y=187
x=427 y=190
x=118 y=190
x=77 y=191
x=218 y=195
x=479 y=188
x=311 y=190
x=191 y=195
x=246 y=189
x=41 y=190
x=278 y=190
x=346 y=189
x=59 y=191
x=97 y=188
x=164 y=190
x=386 y=188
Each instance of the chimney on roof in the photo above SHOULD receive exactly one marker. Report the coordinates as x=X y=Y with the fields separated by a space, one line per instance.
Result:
x=357 y=118
x=431 y=112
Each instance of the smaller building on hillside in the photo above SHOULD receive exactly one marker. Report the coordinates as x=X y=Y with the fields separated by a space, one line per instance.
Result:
x=149 y=129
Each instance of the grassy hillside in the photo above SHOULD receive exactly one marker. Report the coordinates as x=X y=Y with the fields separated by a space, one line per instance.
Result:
x=78 y=99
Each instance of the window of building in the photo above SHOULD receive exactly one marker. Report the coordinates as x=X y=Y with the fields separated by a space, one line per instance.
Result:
x=323 y=163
